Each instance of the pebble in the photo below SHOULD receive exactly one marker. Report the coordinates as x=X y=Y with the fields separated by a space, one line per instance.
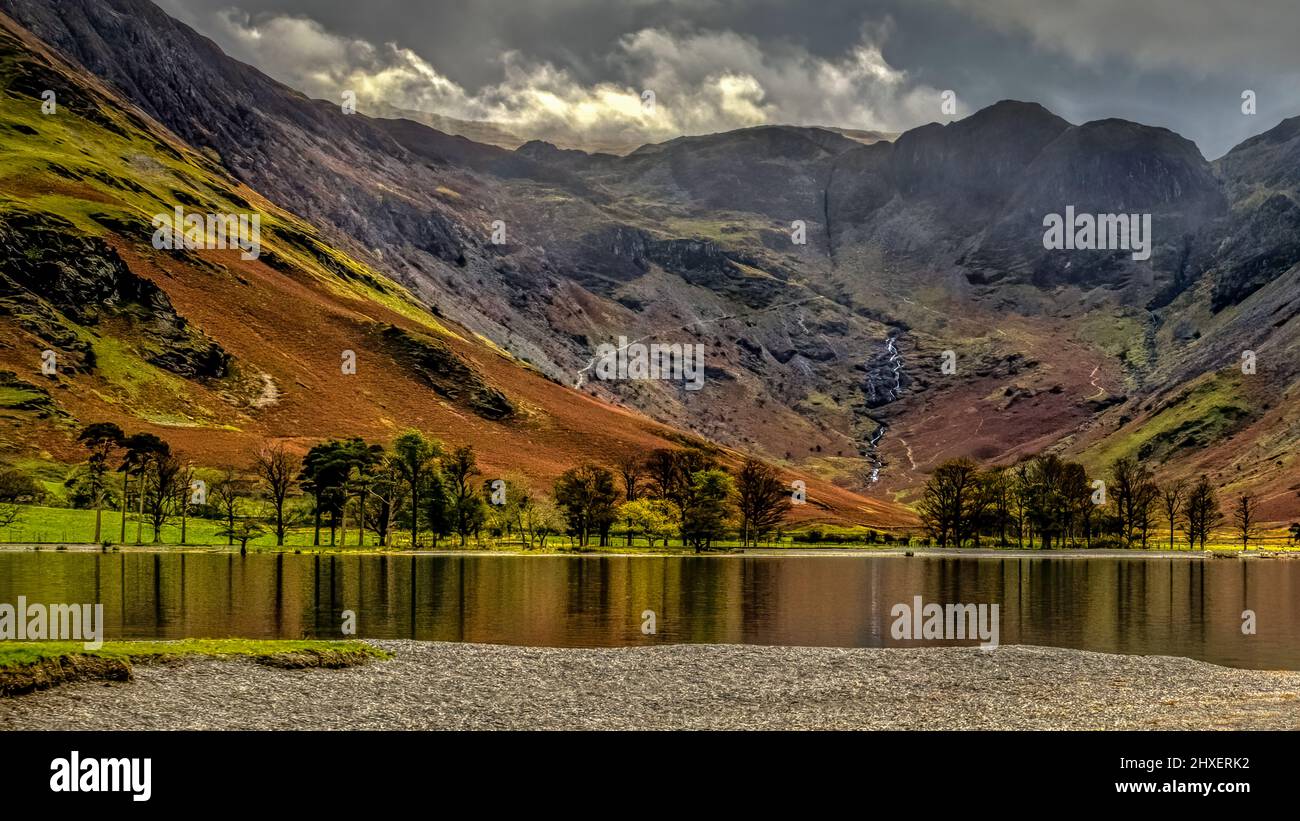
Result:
x=438 y=685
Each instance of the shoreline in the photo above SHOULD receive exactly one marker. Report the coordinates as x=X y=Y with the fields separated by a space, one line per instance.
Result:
x=730 y=553
x=438 y=685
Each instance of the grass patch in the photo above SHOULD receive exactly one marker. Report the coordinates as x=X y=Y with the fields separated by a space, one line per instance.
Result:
x=1120 y=336
x=40 y=665
x=1207 y=412
x=17 y=653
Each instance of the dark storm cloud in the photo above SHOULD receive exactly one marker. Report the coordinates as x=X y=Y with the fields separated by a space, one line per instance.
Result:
x=541 y=64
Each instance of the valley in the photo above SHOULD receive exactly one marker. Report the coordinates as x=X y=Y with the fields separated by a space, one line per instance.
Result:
x=823 y=357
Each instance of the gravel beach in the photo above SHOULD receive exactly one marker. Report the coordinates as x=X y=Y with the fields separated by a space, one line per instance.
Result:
x=431 y=685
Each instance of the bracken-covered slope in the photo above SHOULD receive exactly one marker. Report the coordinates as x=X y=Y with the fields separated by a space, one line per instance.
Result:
x=219 y=354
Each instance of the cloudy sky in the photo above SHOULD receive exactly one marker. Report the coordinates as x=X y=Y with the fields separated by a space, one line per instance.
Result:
x=539 y=66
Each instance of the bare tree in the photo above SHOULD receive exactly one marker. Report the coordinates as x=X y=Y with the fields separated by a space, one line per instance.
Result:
x=1201 y=512
x=1172 y=497
x=226 y=495
x=1245 y=519
x=159 y=492
x=764 y=500
x=632 y=469
x=277 y=468
x=184 y=494
x=1131 y=496
x=1145 y=498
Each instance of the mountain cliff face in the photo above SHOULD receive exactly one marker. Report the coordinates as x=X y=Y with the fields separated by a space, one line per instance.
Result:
x=828 y=279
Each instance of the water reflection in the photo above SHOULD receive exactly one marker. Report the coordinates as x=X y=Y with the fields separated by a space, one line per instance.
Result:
x=1185 y=607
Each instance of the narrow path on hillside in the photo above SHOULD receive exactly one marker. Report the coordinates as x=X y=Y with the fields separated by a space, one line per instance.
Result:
x=1092 y=380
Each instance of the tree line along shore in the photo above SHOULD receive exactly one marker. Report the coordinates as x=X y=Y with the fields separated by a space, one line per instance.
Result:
x=414 y=492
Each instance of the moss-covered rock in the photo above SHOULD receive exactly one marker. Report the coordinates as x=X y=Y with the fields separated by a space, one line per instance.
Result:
x=51 y=275
x=438 y=366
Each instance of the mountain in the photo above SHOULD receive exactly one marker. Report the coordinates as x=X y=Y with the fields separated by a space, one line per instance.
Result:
x=501 y=136
x=480 y=131
x=828 y=279
x=218 y=352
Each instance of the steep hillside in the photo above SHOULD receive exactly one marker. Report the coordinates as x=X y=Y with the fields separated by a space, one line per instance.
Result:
x=219 y=353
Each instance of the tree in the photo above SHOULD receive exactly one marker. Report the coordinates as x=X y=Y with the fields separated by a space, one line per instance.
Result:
x=466 y=506
x=102 y=440
x=437 y=507
x=661 y=470
x=159 y=491
x=1131 y=491
x=707 y=507
x=1245 y=519
x=325 y=474
x=980 y=506
x=652 y=518
x=505 y=518
x=631 y=469
x=184 y=493
x=1018 y=495
x=1076 y=496
x=1202 y=512
x=18 y=486
x=542 y=519
x=277 y=470
x=360 y=464
x=1001 y=488
x=671 y=472
x=762 y=499
x=388 y=489
x=1294 y=532
x=946 y=500
x=1047 y=499
x=413 y=456
x=587 y=495
x=1172 y=497
x=1145 y=501
x=144 y=452
x=227 y=495
x=243 y=531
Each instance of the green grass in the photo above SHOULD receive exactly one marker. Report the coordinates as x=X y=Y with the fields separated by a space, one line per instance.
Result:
x=58 y=525
x=49 y=525
x=1208 y=411
x=725 y=227
x=18 y=653
x=13 y=397
x=1120 y=336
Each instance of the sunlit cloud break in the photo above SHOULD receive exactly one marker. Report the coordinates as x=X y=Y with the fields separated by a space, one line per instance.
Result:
x=701 y=82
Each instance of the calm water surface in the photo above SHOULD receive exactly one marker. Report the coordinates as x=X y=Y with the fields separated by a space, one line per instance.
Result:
x=1171 y=606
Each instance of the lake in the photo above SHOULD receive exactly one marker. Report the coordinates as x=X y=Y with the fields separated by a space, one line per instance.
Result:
x=1168 y=606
